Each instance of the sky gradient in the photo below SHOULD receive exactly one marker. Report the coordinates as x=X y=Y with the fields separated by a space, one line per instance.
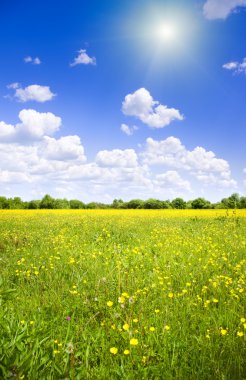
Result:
x=120 y=99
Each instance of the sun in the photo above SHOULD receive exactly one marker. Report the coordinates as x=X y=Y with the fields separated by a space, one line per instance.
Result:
x=166 y=32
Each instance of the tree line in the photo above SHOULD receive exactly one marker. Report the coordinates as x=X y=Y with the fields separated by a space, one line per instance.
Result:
x=48 y=202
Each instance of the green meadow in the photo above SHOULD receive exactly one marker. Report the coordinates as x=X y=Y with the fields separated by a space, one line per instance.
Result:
x=127 y=294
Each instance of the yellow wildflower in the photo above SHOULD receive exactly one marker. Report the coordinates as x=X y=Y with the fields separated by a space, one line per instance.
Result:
x=113 y=350
x=223 y=332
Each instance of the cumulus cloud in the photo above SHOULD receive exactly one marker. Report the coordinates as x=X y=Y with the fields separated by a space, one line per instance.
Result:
x=117 y=158
x=33 y=92
x=221 y=9
x=236 y=67
x=141 y=105
x=128 y=130
x=172 y=179
x=83 y=58
x=199 y=162
x=64 y=149
x=34 y=125
x=34 y=61
x=33 y=161
x=173 y=153
x=7 y=176
x=212 y=180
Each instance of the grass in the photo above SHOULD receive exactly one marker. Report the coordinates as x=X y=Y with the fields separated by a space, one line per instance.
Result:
x=122 y=294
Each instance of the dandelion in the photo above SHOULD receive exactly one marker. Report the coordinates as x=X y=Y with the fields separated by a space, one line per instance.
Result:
x=110 y=303
x=135 y=320
x=126 y=352
x=126 y=295
x=134 y=342
x=170 y=295
x=114 y=350
x=240 y=333
x=157 y=311
x=223 y=332
x=126 y=327
x=152 y=328
x=242 y=320
x=121 y=299
x=167 y=328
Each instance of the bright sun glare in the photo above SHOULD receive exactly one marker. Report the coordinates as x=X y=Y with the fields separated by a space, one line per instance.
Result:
x=166 y=32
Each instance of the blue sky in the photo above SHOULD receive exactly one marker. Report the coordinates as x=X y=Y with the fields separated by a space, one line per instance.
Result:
x=121 y=99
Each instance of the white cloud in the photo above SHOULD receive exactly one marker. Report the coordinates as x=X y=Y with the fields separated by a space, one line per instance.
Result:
x=244 y=170
x=32 y=163
x=13 y=86
x=236 y=67
x=172 y=179
x=64 y=149
x=212 y=180
x=141 y=105
x=33 y=92
x=34 y=61
x=13 y=177
x=200 y=163
x=117 y=158
x=221 y=9
x=128 y=130
x=171 y=152
x=83 y=58
x=34 y=125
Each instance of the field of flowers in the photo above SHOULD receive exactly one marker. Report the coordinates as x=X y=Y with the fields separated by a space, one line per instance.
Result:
x=128 y=294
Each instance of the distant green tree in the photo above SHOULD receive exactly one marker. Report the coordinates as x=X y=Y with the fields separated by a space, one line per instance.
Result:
x=4 y=203
x=76 y=204
x=178 y=203
x=16 y=203
x=61 y=204
x=97 y=205
x=200 y=203
x=218 y=205
x=135 y=204
x=47 y=202
x=231 y=202
x=166 y=204
x=189 y=204
x=118 y=203
x=242 y=202
x=33 y=205
x=152 y=204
